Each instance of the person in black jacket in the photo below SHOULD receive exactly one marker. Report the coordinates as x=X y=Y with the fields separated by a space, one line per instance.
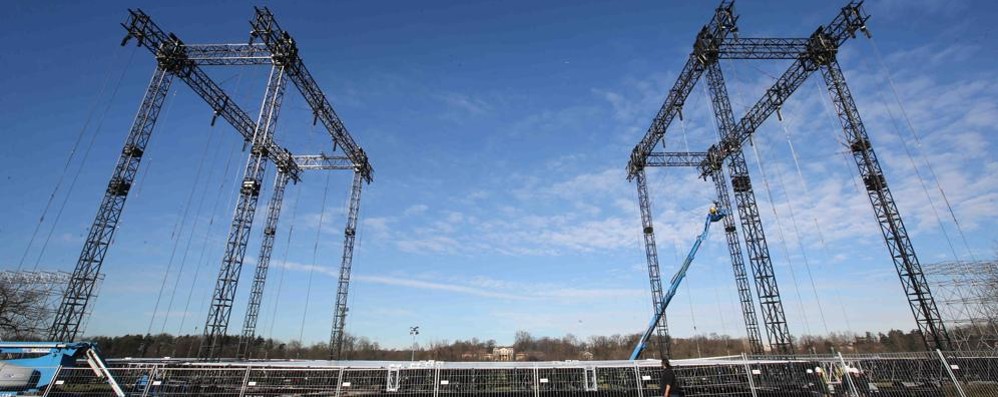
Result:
x=670 y=385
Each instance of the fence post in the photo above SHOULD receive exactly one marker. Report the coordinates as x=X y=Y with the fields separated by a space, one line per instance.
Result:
x=748 y=374
x=537 y=385
x=846 y=376
x=641 y=383
x=949 y=370
x=242 y=388
x=436 y=381
x=149 y=379
x=339 y=382
x=49 y=387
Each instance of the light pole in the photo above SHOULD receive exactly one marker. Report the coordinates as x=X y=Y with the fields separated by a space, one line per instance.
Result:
x=414 y=330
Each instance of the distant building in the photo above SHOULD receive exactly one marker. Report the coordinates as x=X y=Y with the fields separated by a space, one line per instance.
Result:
x=503 y=353
x=521 y=356
x=586 y=356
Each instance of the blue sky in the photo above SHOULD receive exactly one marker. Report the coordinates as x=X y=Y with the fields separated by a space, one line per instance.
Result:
x=499 y=133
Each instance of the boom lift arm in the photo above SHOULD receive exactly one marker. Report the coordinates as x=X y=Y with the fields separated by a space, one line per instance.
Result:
x=714 y=215
x=39 y=363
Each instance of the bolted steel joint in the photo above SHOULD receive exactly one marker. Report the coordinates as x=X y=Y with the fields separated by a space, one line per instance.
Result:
x=821 y=49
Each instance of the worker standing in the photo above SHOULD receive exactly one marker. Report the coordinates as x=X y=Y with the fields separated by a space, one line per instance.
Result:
x=670 y=386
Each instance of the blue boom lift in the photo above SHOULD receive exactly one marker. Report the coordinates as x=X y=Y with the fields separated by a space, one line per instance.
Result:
x=34 y=365
x=713 y=215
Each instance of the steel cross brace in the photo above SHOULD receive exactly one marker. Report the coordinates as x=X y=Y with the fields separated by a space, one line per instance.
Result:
x=692 y=159
x=259 y=53
x=704 y=48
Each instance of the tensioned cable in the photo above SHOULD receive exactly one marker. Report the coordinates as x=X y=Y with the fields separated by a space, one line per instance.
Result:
x=689 y=294
x=921 y=180
x=918 y=142
x=315 y=252
x=825 y=101
x=194 y=228
x=82 y=165
x=76 y=144
x=736 y=298
x=211 y=221
x=233 y=184
x=284 y=262
x=177 y=235
x=782 y=238
x=800 y=236
x=894 y=123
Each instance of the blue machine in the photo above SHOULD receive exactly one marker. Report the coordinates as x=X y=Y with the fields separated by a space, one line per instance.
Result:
x=39 y=362
x=714 y=215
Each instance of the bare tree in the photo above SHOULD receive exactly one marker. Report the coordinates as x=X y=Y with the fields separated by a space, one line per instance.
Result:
x=23 y=310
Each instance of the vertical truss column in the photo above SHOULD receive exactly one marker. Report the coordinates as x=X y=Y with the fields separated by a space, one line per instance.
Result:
x=923 y=306
x=242 y=221
x=262 y=265
x=773 y=315
x=651 y=255
x=738 y=266
x=343 y=287
x=73 y=308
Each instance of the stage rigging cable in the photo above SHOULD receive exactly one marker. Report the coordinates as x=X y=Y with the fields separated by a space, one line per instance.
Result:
x=918 y=142
x=179 y=227
x=83 y=161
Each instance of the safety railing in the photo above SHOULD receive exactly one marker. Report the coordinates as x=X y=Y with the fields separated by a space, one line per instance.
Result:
x=956 y=374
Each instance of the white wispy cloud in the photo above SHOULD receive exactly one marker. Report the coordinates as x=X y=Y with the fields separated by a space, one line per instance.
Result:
x=481 y=286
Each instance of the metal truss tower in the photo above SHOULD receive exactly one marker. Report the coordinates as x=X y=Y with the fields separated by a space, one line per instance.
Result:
x=262 y=264
x=224 y=295
x=693 y=159
x=265 y=28
x=770 y=300
x=818 y=52
x=343 y=284
x=305 y=162
x=176 y=59
x=651 y=256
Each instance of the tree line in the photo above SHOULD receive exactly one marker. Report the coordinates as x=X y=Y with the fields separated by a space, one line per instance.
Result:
x=532 y=348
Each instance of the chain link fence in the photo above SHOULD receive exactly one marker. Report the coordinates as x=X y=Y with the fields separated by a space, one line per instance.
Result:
x=956 y=374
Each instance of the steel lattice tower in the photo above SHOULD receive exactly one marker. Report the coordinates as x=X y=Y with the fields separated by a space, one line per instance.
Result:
x=817 y=52
x=175 y=59
x=693 y=159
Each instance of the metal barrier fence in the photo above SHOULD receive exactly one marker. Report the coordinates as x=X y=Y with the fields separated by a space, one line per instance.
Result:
x=957 y=374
